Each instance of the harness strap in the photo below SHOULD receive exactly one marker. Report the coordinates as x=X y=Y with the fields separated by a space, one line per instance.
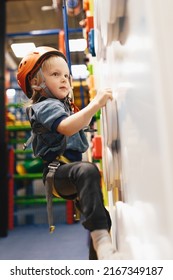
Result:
x=63 y=159
x=49 y=187
x=37 y=128
x=28 y=142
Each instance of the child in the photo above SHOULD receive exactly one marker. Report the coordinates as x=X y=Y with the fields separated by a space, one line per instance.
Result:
x=57 y=134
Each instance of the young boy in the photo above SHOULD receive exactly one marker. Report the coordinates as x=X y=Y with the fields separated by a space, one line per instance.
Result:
x=57 y=134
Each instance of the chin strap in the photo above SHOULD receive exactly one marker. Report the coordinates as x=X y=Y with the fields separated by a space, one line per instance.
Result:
x=43 y=85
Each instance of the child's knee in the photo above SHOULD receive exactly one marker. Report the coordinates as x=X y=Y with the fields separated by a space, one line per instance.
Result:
x=89 y=171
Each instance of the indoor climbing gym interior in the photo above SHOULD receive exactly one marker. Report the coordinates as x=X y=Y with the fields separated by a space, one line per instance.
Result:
x=121 y=45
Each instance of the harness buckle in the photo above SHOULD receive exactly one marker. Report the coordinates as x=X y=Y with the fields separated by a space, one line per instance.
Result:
x=53 y=166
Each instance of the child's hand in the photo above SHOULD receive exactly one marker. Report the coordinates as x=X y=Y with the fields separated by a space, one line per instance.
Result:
x=103 y=96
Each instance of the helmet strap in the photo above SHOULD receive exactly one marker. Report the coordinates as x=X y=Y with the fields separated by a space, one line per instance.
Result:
x=43 y=85
x=46 y=90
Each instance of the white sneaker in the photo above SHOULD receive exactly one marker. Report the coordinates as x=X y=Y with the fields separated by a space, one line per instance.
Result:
x=107 y=251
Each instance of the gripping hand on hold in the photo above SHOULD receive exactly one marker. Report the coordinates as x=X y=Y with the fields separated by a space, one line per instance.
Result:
x=103 y=96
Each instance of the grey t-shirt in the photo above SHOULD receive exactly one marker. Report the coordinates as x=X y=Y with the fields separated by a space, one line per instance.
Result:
x=50 y=143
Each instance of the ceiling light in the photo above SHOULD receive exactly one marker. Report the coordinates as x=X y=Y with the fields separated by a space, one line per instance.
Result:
x=52 y=7
x=77 y=45
x=79 y=71
x=22 y=49
x=10 y=93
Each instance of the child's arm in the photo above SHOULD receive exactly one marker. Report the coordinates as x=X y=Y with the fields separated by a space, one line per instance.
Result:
x=79 y=120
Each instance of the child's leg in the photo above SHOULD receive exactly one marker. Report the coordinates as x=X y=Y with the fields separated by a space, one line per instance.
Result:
x=85 y=176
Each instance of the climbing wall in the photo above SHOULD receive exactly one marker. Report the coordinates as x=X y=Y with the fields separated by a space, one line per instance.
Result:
x=133 y=45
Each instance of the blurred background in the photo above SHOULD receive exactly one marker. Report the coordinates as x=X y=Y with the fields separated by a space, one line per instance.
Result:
x=128 y=48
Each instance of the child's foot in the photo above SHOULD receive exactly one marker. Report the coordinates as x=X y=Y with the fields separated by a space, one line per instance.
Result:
x=103 y=245
x=106 y=251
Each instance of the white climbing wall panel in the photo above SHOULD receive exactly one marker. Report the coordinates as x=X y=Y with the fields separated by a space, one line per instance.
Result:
x=136 y=60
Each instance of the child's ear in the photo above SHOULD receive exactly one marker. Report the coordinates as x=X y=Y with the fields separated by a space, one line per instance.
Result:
x=38 y=88
x=34 y=84
x=34 y=81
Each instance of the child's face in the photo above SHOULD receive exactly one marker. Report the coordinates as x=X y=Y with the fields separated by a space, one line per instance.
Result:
x=57 y=76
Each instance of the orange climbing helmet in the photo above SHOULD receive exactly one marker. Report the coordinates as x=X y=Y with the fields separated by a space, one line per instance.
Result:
x=31 y=63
